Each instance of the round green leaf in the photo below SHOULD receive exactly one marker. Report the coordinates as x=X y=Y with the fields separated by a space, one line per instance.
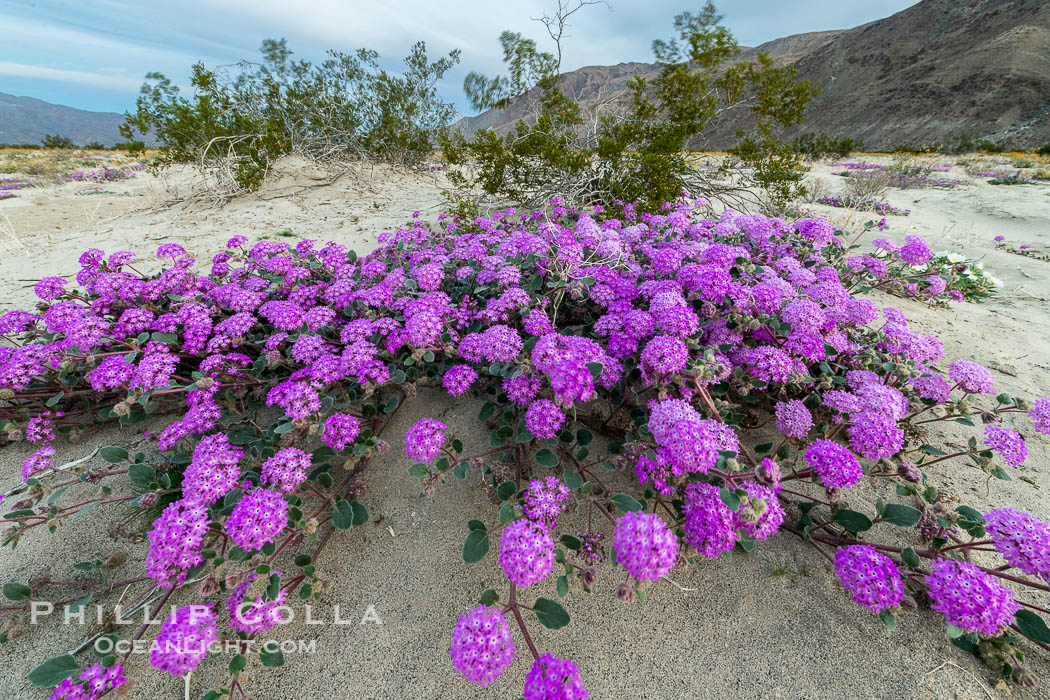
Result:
x=53 y=671
x=852 y=520
x=113 y=454
x=476 y=546
x=551 y=614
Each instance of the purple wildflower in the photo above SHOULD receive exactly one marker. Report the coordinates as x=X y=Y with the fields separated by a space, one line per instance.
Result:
x=482 y=645
x=871 y=578
x=645 y=546
x=526 y=552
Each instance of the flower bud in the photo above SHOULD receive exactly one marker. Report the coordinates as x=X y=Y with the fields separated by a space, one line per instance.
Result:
x=908 y=604
x=909 y=472
x=205 y=383
x=589 y=577
x=625 y=594
x=148 y=500
x=209 y=586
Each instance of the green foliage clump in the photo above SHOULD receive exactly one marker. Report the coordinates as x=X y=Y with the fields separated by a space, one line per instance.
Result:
x=241 y=118
x=57 y=141
x=636 y=150
x=817 y=146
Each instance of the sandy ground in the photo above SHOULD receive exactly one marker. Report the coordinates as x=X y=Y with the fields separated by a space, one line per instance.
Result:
x=771 y=624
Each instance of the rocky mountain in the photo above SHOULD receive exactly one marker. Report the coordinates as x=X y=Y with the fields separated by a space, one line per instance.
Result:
x=28 y=120
x=928 y=74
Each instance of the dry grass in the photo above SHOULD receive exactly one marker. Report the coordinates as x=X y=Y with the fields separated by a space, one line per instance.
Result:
x=49 y=164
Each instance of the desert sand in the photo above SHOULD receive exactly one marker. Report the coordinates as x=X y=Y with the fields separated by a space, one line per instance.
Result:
x=770 y=624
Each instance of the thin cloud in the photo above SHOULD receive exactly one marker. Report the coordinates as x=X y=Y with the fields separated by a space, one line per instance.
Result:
x=110 y=82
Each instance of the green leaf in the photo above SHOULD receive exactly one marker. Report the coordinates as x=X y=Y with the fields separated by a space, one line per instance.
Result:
x=551 y=614
x=476 y=525
x=78 y=604
x=573 y=480
x=1032 y=626
x=489 y=597
x=343 y=515
x=888 y=619
x=506 y=490
x=113 y=454
x=17 y=591
x=271 y=659
x=303 y=559
x=910 y=558
x=563 y=586
x=970 y=516
x=546 y=458
x=596 y=369
x=901 y=515
x=476 y=546
x=852 y=520
x=953 y=631
x=730 y=499
x=274 y=589
x=360 y=514
x=1000 y=473
x=571 y=542
x=141 y=475
x=55 y=399
x=392 y=405
x=53 y=671
x=626 y=503
x=506 y=512
x=238 y=663
x=418 y=470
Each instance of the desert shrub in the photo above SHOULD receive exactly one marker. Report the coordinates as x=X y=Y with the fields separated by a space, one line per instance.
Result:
x=878 y=206
x=241 y=118
x=633 y=146
x=818 y=146
x=1017 y=179
x=662 y=345
x=919 y=149
x=1044 y=150
x=95 y=146
x=867 y=184
x=985 y=146
x=134 y=148
x=57 y=141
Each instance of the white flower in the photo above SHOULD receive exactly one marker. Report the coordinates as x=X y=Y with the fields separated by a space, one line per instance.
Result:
x=996 y=282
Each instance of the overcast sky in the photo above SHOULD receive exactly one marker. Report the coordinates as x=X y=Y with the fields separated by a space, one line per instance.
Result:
x=94 y=54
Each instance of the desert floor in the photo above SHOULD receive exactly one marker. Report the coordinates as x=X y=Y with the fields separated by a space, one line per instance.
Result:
x=771 y=624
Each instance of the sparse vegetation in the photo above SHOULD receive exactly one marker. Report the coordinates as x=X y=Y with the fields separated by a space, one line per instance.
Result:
x=241 y=118
x=818 y=146
x=634 y=150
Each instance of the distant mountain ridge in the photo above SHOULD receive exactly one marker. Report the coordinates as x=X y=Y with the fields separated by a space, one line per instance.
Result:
x=925 y=75
x=28 y=120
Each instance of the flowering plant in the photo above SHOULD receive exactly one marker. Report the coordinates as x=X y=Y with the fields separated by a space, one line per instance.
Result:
x=721 y=362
